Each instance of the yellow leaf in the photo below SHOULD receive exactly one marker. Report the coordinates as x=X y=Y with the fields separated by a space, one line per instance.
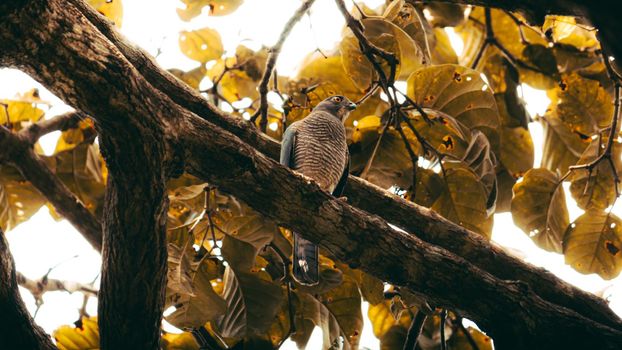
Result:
x=382 y=318
x=192 y=77
x=457 y=91
x=215 y=7
x=516 y=151
x=19 y=200
x=539 y=208
x=391 y=38
x=582 y=104
x=593 y=244
x=85 y=337
x=201 y=45
x=464 y=201
x=562 y=146
x=344 y=302
x=566 y=30
x=596 y=188
x=22 y=108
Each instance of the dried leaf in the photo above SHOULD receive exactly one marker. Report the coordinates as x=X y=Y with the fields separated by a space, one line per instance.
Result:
x=593 y=242
x=539 y=208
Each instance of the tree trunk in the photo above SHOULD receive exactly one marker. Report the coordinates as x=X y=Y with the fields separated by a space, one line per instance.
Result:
x=17 y=329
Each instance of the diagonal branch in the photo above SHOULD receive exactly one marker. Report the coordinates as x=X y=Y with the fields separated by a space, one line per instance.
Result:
x=18 y=152
x=262 y=112
x=426 y=224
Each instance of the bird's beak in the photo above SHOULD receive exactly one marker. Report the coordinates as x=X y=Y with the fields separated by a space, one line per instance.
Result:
x=351 y=106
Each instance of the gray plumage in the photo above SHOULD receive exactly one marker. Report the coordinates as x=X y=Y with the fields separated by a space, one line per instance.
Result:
x=316 y=147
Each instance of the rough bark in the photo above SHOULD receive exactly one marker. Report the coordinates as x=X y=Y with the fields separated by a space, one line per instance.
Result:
x=56 y=45
x=134 y=219
x=413 y=218
x=508 y=310
x=17 y=329
x=17 y=151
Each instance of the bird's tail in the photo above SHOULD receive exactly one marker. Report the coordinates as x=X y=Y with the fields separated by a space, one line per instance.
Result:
x=306 y=261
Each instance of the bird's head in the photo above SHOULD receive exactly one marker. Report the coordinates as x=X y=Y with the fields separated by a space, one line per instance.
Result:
x=339 y=106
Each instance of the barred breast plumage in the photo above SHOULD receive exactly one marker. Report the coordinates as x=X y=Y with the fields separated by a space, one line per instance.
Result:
x=320 y=151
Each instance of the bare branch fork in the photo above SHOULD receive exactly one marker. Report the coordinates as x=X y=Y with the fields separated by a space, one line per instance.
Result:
x=386 y=83
x=44 y=284
x=491 y=40
x=607 y=154
x=262 y=111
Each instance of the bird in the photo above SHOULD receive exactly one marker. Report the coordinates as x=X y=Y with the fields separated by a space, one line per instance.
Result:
x=316 y=147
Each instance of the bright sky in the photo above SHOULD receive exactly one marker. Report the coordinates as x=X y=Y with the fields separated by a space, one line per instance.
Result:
x=42 y=243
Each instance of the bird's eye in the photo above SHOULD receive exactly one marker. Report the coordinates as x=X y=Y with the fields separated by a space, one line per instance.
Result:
x=337 y=99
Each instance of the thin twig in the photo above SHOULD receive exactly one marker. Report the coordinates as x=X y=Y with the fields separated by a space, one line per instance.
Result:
x=413 y=157
x=370 y=50
x=492 y=40
x=613 y=134
x=262 y=112
x=288 y=282
x=385 y=128
x=443 y=340
x=372 y=90
x=415 y=330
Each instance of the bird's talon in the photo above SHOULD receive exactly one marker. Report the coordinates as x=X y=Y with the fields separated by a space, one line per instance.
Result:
x=343 y=199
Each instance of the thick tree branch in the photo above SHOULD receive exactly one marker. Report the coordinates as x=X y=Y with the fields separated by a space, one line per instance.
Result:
x=17 y=329
x=426 y=224
x=275 y=50
x=506 y=309
x=533 y=10
x=18 y=152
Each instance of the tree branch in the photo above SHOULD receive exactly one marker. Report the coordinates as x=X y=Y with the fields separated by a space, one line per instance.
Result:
x=262 y=112
x=413 y=218
x=17 y=328
x=533 y=10
x=61 y=122
x=18 y=152
x=352 y=236
x=44 y=284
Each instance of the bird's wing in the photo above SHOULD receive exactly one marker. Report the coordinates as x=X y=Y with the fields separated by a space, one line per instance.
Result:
x=341 y=185
x=287 y=147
